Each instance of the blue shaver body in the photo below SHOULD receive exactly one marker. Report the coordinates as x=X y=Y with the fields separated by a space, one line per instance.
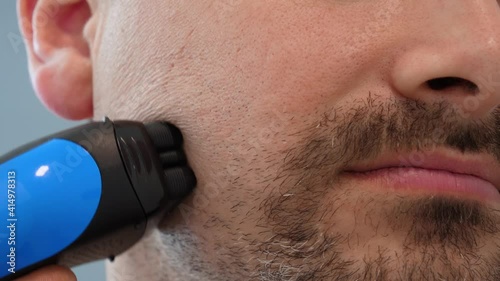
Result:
x=87 y=193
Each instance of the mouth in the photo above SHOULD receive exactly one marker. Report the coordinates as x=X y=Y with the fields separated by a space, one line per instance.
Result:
x=436 y=172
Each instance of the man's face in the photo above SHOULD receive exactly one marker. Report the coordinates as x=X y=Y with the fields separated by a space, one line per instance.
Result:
x=283 y=104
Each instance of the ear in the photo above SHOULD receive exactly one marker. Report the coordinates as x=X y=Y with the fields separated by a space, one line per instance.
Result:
x=58 y=54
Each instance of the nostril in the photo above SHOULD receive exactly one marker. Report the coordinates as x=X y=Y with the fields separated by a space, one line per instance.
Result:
x=450 y=82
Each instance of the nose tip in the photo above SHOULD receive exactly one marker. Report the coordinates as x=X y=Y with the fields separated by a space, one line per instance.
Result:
x=452 y=54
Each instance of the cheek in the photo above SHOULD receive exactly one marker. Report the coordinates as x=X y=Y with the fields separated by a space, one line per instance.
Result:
x=285 y=62
x=134 y=58
x=268 y=87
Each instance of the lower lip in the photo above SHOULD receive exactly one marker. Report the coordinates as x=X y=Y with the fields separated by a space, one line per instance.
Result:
x=431 y=181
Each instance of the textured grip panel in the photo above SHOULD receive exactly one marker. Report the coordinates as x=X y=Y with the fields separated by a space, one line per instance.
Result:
x=180 y=181
x=164 y=135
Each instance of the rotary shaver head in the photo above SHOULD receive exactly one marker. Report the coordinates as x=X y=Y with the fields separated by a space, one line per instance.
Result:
x=168 y=141
x=153 y=155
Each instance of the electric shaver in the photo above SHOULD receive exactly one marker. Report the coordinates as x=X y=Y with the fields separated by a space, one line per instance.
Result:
x=88 y=193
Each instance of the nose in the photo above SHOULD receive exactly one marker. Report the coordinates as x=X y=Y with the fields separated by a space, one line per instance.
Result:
x=452 y=53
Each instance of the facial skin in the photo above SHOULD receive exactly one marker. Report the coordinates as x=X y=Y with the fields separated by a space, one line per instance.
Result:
x=276 y=100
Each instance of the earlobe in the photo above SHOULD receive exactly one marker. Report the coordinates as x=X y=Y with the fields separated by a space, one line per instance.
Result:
x=58 y=54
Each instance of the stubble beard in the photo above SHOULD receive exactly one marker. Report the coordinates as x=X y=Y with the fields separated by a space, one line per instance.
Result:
x=300 y=232
x=404 y=237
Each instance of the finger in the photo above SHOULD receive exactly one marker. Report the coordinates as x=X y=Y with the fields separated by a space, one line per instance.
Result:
x=50 y=273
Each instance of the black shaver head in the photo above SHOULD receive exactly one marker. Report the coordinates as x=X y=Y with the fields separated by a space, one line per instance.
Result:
x=100 y=184
x=155 y=161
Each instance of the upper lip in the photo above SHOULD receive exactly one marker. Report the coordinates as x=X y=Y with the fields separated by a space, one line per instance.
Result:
x=483 y=166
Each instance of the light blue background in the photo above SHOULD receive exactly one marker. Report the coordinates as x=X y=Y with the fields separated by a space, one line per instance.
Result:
x=22 y=117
